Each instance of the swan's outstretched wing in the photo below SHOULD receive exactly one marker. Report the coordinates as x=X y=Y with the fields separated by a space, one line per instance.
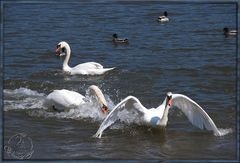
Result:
x=128 y=103
x=195 y=114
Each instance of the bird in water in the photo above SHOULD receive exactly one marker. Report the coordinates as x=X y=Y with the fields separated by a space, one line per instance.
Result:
x=164 y=17
x=227 y=32
x=158 y=117
x=88 y=68
x=115 y=39
x=63 y=100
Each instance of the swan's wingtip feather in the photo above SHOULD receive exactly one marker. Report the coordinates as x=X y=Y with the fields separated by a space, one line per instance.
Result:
x=97 y=135
x=223 y=132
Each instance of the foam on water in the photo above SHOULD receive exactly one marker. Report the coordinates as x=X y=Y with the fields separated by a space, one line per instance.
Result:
x=224 y=132
x=35 y=104
x=22 y=98
x=84 y=111
x=21 y=92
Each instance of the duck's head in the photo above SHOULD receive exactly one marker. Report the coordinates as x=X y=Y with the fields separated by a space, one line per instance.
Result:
x=61 y=48
x=165 y=13
x=115 y=35
x=225 y=30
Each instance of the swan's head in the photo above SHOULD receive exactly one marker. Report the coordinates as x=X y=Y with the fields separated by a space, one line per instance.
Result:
x=104 y=109
x=169 y=99
x=101 y=99
x=165 y=13
x=115 y=35
x=61 y=48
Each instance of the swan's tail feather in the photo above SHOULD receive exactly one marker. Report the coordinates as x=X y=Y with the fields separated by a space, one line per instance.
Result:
x=106 y=69
x=98 y=71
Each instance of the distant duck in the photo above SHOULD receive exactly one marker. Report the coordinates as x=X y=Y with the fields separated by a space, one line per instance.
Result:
x=228 y=32
x=163 y=18
x=119 y=40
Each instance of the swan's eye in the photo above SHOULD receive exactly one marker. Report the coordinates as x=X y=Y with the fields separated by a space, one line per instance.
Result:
x=63 y=50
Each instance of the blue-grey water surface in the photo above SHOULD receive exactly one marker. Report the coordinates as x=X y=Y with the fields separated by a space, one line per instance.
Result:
x=187 y=55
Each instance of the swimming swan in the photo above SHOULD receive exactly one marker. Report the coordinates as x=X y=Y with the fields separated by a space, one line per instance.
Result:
x=158 y=117
x=88 y=68
x=63 y=100
x=163 y=18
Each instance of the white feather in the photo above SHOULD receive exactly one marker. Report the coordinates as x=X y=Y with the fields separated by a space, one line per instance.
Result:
x=195 y=114
x=129 y=103
x=88 y=68
x=159 y=116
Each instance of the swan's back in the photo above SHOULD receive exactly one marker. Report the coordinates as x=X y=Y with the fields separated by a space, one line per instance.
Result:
x=89 y=68
x=62 y=99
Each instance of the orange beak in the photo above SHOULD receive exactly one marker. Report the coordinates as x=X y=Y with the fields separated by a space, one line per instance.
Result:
x=58 y=51
x=170 y=102
x=104 y=110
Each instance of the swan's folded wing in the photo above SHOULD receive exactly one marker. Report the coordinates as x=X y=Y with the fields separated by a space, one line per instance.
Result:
x=129 y=103
x=88 y=65
x=195 y=114
x=97 y=65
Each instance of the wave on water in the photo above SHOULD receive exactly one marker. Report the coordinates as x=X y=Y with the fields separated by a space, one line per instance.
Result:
x=35 y=105
x=20 y=92
x=22 y=98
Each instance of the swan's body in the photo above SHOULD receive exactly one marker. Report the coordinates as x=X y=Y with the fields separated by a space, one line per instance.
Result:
x=228 y=32
x=158 y=117
x=88 y=68
x=119 y=40
x=63 y=100
x=163 y=18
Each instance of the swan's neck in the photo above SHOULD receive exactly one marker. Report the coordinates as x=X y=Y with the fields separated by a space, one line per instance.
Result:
x=164 y=119
x=96 y=91
x=66 y=60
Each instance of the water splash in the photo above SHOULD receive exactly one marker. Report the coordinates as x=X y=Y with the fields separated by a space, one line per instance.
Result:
x=22 y=98
x=21 y=92
x=35 y=105
x=224 y=132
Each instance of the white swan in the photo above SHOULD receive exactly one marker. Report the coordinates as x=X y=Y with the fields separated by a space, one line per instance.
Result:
x=163 y=18
x=63 y=100
x=88 y=68
x=158 y=117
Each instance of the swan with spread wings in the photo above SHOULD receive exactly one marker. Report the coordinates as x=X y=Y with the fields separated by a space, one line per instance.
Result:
x=158 y=117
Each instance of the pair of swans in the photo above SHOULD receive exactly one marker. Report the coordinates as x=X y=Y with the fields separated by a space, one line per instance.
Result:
x=88 y=68
x=63 y=100
x=158 y=117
